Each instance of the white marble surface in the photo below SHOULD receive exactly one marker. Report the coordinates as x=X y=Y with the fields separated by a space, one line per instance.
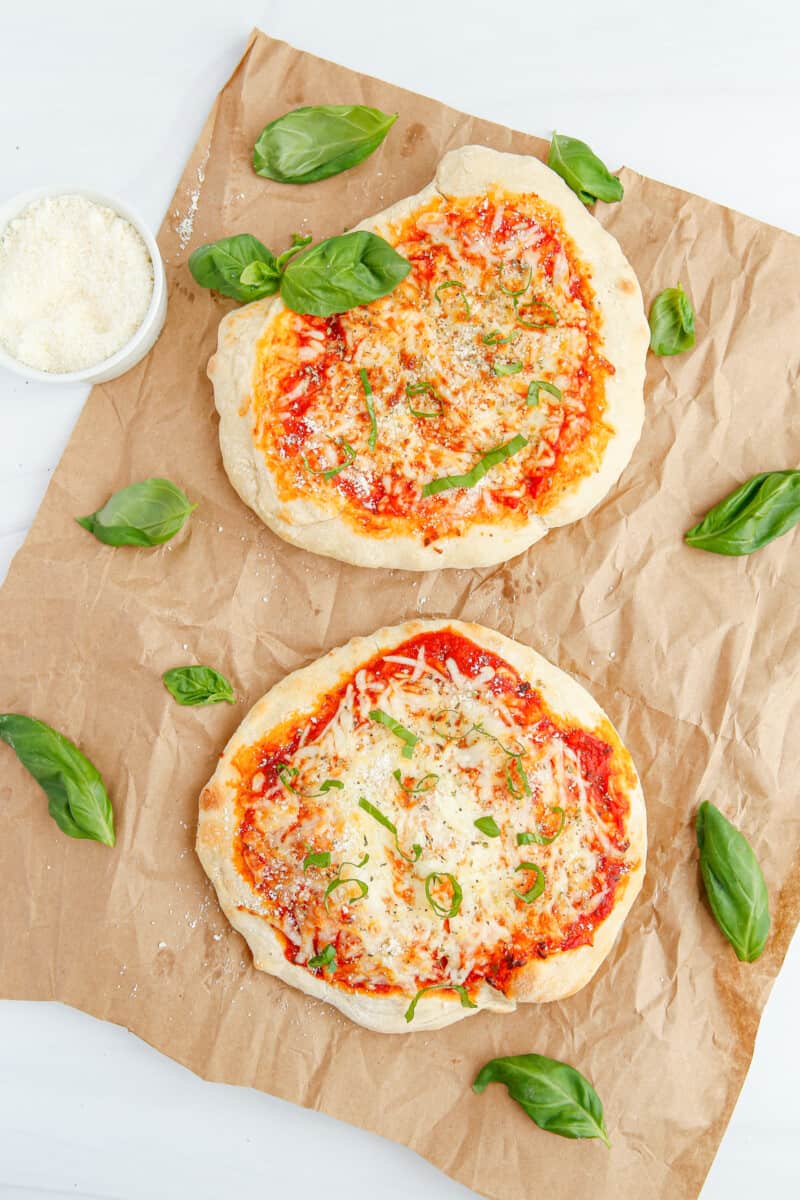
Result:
x=704 y=96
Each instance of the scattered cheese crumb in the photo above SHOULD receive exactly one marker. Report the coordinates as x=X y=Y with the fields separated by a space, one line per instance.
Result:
x=75 y=283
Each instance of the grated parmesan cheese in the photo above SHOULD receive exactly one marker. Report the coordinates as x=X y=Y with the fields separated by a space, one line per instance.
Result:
x=75 y=283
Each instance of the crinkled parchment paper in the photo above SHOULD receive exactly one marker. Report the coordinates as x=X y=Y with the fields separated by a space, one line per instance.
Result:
x=695 y=657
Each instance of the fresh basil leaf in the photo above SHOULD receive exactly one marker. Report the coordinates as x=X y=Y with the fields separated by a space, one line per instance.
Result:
x=459 y=988
x=525 y=788
x=424 y=387
x=514 y=293
x=143 y=514
x=426 y=784
x=341 y=273
x=338 y=881
x=525 y=839
x=78 y=801
x=298 y=242
x=240 y=267
x=553 y=1094
x=191 y=686
x=378 y=816
x=734 y=883
x=487 y=825
x=492 y=459
x=671 y=322
x=582 y=170
x=373 y=422
x=318 y=141
x=453 y=283
x=441 y=910
x=752 y=516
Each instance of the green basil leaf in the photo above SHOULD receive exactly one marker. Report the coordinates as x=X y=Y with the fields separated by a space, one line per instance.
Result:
x=525 y=788
x=540 y=385
x=582 y=170
x=332 y=472
x=453 y=283
x=764 y=508
x=338 y=881
x=410 y=739
x=426 y=784
x=318 y=858
x=734 y=883
x=325 y=959
x=197 y=685
x=487 y=825
x=341 y=273
x=553 y=1094
x=463 y=995
x=78 y=801
x=536 y=888
x=298 y=242
x=424 y=387
x=533 y=307
x=240 y=267
x=318 y=141
x=507 y=368
x=671 y=322
x=514 y=293
x=143 y=514
x=492 y=459
x=495 y=338
x=453 y=908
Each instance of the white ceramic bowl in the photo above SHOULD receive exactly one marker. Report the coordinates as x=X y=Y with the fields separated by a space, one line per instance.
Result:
x=146 y=335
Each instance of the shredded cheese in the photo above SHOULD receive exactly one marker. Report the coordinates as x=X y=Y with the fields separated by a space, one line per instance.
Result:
x=75 y=283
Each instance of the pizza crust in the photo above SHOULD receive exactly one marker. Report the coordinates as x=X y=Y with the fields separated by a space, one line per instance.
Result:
x=553 y=978
x=464 y=172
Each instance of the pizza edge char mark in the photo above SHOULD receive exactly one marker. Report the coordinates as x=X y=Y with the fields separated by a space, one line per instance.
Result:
x=320 y=515
x=522 y=973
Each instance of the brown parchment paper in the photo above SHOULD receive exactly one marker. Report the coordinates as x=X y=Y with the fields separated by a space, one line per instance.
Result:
x=695 y=657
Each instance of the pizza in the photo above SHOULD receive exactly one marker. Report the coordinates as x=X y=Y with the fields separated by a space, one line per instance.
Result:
x=494 y=394
x=424 y=823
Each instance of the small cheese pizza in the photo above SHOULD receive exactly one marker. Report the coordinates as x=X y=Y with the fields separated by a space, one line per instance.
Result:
x=424 y=823
x=495 y=393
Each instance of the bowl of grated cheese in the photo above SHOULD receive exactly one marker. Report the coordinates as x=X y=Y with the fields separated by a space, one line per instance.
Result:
x=83 y=296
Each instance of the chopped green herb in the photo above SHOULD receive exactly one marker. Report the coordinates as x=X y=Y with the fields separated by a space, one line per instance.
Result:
x=425 y=784
x=496 y=338
x=318 y=858
x=536 y=306
x=541 y=385
x=525 y=788
x=513 y=292
x=536 y=889
x=440 y=987
x=326 y=959
x=377 y=815
x=453 y=283
x=405 y=735
x=349 y=455
x=431 y=881
x=525 y=839
x=492 y=459
x=373 y=424
x=338 y=882
x=507 y=368
x=419 y=389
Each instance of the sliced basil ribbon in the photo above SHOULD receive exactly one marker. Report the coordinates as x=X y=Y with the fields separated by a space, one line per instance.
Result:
x=487 y=825
x=410 y=739
x=440 y=987
x=535 y=304
x=452 y=283
x=339 y=882
x=326 y=959
x=426 y=784
x=515 y=293
x=525 y=839
x=422 y=388
x=431 y=881
x=553 y=1094
x=525 y=788
x=492 y=459
x=317 y=858
x=540 y=385
x=507 y=368
x=331 y=472
x=378 y=816
x=286 y=774
x=495 y=338
x=536 y=888
x=373 y=423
